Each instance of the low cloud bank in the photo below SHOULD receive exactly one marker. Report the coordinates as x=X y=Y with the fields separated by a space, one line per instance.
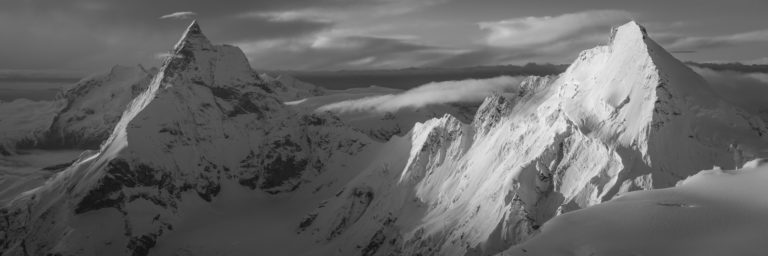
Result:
x=746 y=90
x=464 y=91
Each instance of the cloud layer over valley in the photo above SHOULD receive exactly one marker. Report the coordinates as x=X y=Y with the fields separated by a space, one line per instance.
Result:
x=464 y=91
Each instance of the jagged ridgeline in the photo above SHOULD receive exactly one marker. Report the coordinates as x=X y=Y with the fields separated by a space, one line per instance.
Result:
x=205 y=123
x=624 y=116
x=207 y=160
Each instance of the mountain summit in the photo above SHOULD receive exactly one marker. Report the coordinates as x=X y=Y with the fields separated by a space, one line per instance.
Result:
x=210 y=142
x=625 y=116
x=206 y=126
x=192 y=39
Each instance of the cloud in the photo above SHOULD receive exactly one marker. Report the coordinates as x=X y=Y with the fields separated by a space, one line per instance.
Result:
x=555 y=39
x=94 y=34
x=675 y=41
x=542 y=31
x=746 y=90
x=464 y=91
x=179 y=15
x=331 y=11
x=512 y=41
x=329 y=51
x=292 y=15
x=759 y=61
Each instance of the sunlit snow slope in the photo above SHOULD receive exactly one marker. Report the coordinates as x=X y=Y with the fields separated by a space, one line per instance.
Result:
x=714 y=212
x=625 y=116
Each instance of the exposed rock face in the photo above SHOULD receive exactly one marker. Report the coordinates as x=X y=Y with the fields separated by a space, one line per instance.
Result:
x=624 y=116
x=206 y=122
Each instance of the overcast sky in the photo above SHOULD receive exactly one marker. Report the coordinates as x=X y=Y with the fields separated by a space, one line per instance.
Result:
x=90 y=35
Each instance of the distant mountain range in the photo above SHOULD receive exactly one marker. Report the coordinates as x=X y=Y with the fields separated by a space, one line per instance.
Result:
x=393 y=78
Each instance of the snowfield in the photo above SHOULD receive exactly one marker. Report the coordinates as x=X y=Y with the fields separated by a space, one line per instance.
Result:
x=714 y=212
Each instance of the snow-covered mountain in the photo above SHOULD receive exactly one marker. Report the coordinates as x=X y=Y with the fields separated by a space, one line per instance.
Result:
x=94 y=105
x=212 y=159
x=82 y=115
x=625 y=116
x=206 y=125
x=288 y=88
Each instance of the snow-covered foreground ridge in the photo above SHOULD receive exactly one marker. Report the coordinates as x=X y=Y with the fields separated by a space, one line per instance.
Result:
x=714 y=212
x=208 y=131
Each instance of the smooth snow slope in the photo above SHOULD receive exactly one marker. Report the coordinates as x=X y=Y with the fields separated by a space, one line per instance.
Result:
x=714 y=212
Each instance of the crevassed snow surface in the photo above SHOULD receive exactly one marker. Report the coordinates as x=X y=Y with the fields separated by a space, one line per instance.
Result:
x=714 y=212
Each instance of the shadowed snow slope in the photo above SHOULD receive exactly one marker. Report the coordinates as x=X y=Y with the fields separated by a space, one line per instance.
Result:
x=82 y=115
x=625 y=116
x=207 y=125
x=714 y=212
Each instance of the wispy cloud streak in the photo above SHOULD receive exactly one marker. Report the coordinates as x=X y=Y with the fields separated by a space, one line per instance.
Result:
x=179 y=15
x=464 y=91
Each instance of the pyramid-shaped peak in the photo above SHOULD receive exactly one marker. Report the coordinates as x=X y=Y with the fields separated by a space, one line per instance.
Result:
x=193 y=38
x=635 y=27
x=194 y=27
x=631 y=31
